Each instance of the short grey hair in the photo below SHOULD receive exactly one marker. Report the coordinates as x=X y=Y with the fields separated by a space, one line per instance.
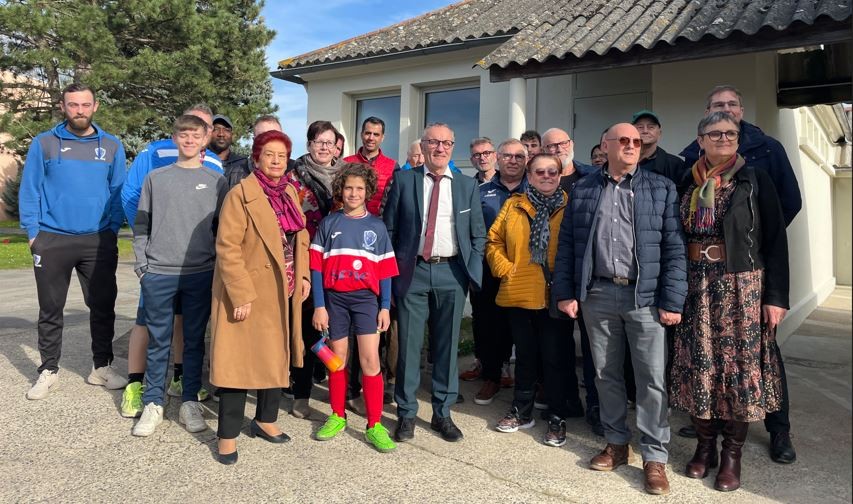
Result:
x=512 y=141
x=199 y=107
x=437 y=125
x=720 y=89
x=479 y=141
x=714 y=118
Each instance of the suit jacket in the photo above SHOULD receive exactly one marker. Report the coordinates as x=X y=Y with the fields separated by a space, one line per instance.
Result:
x=404 y=213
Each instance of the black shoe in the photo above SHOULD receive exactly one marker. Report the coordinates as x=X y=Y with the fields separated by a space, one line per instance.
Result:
x=781 y=449
x=449 y=431
x=688 y=431
x=388 y=397
x=593 y=418
x=256 y=430
x=459 y=399
x=405 y=429
x=575 y=410
x=227 y=458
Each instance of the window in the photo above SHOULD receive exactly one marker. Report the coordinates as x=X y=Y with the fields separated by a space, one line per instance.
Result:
x=386 y=108
x=459 y=109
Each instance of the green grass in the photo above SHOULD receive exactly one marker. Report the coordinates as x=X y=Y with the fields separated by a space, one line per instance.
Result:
x=466 y=337
x=9 y=224
x=15 y=252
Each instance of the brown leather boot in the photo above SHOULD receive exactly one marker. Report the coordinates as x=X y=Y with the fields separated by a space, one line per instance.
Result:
x=734 y=436
x=705 y=456
x=656 y=482
x=611 y=457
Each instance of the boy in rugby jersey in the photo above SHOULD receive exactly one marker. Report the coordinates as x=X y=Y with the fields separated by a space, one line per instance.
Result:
x=352 y=264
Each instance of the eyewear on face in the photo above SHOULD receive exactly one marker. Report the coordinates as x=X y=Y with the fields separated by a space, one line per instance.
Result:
x=541 y=172
x=626 y=141
x=433 y=143
x=716 y=136
x=506 y=156
x=483 y=154
x=722 y=105
x=552 y=147
x=321 y=143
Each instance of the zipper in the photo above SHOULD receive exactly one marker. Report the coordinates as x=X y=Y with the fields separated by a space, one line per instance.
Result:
x=751 y=227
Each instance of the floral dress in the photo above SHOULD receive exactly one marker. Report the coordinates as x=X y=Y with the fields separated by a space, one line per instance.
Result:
x=723 y=365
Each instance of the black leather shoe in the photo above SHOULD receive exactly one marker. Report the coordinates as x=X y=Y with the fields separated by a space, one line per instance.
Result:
x=781 y=449
x=227 y=458
x=256 y=430
x=405 y=429
x=688 y=431
x=445 y=426
x=593 y=418
x=459 y=399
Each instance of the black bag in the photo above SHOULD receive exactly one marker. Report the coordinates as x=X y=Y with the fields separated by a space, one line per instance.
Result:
x=553 y=311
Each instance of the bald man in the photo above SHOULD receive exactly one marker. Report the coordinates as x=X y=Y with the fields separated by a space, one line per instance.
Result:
x=621 y=256
x=557 y=142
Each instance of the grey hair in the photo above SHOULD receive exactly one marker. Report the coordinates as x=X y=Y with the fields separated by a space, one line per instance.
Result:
x=199 y=107
x=481 y=140
x=437 y=125
x=720 y=89
x=512 y=141
x=714 y=118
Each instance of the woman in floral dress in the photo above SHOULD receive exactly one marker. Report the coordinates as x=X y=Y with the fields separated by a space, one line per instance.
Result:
x=724 y=373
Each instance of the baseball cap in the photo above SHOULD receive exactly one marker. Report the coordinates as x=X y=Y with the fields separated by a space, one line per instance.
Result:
x=637 y=116
x=223 y=119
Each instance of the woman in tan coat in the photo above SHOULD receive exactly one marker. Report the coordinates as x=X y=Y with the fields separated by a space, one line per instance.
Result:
x=260 y=281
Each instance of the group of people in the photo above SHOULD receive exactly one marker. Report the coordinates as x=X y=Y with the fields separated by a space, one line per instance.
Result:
x=677 y=272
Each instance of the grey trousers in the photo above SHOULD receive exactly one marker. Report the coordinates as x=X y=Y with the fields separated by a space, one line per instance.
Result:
x=611 y=320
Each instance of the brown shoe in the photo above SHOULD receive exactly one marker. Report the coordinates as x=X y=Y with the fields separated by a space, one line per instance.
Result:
x=611 y=457
x=487 y=393
x=473 y=373
x=656 y=482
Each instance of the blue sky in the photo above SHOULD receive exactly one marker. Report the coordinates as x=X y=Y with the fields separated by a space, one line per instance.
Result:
x=302 y=26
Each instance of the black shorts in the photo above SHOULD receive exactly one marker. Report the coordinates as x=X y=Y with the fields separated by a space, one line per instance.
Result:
x=352 y=312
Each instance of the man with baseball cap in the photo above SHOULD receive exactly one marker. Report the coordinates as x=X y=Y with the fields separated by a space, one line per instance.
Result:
x=236 y=167
x=653 y=157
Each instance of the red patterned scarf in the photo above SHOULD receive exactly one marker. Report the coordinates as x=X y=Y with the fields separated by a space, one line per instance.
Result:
x=290 y=219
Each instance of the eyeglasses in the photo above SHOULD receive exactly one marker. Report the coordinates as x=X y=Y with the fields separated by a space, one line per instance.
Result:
x=541 y=172
x=433 y=143
x=716 y=136
x=553 y=147
x=721 y=105
x=626 y=141
x=483 y=154
x=322 y=143
x=506 y=156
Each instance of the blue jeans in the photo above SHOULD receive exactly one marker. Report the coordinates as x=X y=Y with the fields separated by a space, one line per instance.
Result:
x=161 y=292
x=612 y=320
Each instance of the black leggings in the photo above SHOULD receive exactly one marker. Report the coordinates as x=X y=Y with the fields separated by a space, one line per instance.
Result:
x=232 y=405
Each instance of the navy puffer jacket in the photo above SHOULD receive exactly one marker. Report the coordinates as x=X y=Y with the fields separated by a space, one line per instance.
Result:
x=658 y=239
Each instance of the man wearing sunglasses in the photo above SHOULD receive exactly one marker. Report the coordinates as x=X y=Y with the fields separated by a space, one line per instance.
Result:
x=764 y=152
x=557 y=142
x=621 y=255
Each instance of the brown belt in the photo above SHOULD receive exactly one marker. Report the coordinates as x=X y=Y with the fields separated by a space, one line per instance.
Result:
x=714 y=252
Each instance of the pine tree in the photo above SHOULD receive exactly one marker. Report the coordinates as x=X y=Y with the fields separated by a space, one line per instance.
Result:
x=10 y=193
x=146 y=59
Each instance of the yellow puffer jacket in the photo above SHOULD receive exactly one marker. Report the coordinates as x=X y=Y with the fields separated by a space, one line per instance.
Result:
x=508 y=254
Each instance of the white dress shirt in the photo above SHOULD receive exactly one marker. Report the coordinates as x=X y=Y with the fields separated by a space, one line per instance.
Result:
x=444 y=244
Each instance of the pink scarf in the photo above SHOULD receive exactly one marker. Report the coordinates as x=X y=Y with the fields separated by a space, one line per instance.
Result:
x=290 y=218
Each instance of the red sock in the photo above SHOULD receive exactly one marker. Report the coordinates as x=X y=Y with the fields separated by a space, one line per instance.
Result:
x=338 y=391
x=374 y=388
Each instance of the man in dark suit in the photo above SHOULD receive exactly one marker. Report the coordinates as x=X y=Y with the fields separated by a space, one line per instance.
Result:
x=435 y=222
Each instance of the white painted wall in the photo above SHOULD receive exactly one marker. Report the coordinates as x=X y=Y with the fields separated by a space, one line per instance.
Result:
x=843 y=203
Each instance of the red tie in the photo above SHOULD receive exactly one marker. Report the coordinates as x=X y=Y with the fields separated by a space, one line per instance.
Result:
x=429 y=238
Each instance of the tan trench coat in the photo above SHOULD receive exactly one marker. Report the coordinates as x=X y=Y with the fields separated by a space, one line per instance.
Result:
x=255 y=353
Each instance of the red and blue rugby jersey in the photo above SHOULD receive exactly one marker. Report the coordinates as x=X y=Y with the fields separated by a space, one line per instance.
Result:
x=353 y=253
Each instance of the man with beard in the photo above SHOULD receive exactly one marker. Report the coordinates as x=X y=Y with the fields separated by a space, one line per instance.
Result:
x=236 y=166
x=372 y=135
x=70 y=206
x=557 y=142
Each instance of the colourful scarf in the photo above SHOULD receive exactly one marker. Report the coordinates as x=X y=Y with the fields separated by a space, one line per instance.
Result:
x=701 y=219
x=540 y=228
x=290 y=219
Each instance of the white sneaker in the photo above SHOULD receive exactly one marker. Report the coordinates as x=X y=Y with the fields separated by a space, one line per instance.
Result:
x=105 y=376
x=48 y=380
x=152 y=416
x=191 y=416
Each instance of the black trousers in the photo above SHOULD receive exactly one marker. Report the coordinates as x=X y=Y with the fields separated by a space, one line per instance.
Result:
x=94 y=257
x=490 y=324
x=303 y=378
x=780 y=421
x=537 y=334
x=232 y=404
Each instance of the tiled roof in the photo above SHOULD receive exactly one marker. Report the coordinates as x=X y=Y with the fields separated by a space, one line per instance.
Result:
x=543 y=29
x=578 y=27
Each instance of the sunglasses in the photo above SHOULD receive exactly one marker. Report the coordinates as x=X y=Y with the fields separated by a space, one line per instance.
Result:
x=626 y=141
x=541 y=172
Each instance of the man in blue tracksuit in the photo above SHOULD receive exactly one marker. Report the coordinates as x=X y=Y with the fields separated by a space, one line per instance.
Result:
x=158 y=154
x=70 y=207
